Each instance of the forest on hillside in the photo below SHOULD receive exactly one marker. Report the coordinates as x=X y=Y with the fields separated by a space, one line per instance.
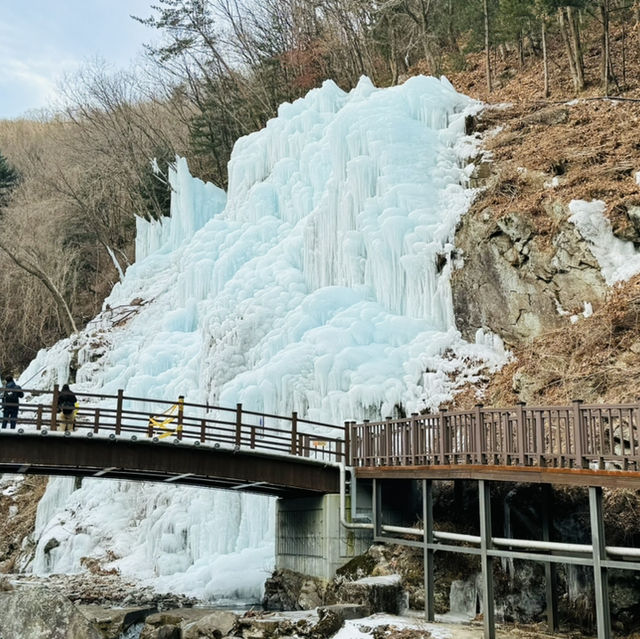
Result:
x=73 y=178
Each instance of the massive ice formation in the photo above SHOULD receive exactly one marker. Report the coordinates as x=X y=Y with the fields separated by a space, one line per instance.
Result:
x=320 y=283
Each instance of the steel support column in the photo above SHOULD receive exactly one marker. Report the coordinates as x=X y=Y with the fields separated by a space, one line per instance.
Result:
x=550 y=572
x=376 y=510
x=427 y=518
x=603 y=614
x=486 y=561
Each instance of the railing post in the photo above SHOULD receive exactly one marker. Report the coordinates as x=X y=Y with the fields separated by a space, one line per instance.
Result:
x=54 y=407
x=366 y=444
x=96 y=421
x=39 y=417
x=238 y=424
x=294 y=432
x=414 y=438
x=347 y=444
x=203 y=430
x=520 y=432
x=385 y=444
x=442 y=420
x=180 y=416
x=352 y=443
x=479 y=434
x=578 y=432
x=399 y=441
x=539 y=439
x=119 y=411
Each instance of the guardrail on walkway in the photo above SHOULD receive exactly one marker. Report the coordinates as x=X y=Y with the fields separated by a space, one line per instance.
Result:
x=576 y=436
x=121 y=415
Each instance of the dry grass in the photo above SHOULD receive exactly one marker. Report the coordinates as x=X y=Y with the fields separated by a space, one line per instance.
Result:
x=592 y=149
x=596 y=359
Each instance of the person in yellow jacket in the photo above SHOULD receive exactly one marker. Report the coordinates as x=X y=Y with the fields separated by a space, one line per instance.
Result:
x=67 y=408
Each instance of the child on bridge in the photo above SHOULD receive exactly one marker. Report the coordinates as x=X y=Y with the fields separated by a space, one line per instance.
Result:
x=67 y=408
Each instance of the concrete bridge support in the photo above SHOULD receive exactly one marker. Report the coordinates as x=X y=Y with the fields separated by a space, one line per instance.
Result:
x=310 y=539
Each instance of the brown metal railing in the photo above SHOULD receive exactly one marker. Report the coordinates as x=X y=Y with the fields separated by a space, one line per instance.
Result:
x=578 y=436
x=237 y=428
x=575 y=436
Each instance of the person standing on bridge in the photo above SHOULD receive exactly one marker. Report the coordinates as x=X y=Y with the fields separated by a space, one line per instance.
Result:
x=10 y=402
x=67 y=408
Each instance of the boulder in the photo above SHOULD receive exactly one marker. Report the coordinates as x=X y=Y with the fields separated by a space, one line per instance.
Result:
x=289 y=590
x=38 y=613
x=212 y=626
x=374 y=594
x=112 y=622
x=330 y=620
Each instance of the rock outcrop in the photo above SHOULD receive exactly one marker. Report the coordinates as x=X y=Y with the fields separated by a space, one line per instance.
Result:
x=517 y=282
x=39 y=613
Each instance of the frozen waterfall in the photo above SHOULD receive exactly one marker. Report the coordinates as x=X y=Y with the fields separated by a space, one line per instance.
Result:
x=312 y=285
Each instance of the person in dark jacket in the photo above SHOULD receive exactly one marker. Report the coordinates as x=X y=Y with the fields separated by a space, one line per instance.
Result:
x=67 y=408
x=10 y=402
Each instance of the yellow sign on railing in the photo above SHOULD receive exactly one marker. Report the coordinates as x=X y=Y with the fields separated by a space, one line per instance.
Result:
x=159 y=423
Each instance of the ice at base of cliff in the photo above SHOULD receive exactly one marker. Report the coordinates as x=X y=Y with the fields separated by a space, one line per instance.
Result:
x=319 y=283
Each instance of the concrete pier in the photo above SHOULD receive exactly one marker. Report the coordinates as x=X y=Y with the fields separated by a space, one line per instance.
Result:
x=310 y=539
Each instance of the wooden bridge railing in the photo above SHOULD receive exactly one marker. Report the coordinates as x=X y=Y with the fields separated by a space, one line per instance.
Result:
x=180 y=421
x=576 y=436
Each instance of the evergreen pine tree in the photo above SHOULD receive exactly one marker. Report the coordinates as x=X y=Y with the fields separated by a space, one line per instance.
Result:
x=9 y=179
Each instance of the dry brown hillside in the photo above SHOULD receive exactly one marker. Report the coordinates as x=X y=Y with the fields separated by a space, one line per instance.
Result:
x=591 y=146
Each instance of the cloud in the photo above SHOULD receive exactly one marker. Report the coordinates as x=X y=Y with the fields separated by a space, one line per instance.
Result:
x=41 y=41
x=30 y=70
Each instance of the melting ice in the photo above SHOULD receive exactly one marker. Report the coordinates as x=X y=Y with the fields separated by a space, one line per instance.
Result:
x=312 y=285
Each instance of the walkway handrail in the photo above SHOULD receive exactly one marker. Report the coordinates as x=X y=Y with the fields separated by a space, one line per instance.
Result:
x=137 y=417
x=577 y=436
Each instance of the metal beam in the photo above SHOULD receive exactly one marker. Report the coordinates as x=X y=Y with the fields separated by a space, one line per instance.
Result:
x=104 y=471
x=179 y=477
x=549 y=568
x=427 y=518
x=486 y=560
x=251 y=485
x=516 y=474
x=376 y=497
x=143 y=460
x=603 y=613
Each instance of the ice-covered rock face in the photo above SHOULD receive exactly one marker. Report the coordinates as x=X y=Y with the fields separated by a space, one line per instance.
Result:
x=320 y=284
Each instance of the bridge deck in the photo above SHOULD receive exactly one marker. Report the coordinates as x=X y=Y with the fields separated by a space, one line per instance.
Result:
x=145 y=460
x=533 y=475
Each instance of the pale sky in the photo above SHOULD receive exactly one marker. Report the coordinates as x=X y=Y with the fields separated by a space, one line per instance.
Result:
x=40 y=40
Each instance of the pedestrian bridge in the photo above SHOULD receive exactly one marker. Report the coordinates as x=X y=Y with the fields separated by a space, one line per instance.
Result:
x=125 y=437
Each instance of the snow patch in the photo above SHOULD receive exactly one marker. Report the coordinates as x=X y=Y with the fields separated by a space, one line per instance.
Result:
x=619 y=260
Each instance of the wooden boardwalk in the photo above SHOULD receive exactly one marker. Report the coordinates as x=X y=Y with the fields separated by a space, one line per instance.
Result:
x=583 y=444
